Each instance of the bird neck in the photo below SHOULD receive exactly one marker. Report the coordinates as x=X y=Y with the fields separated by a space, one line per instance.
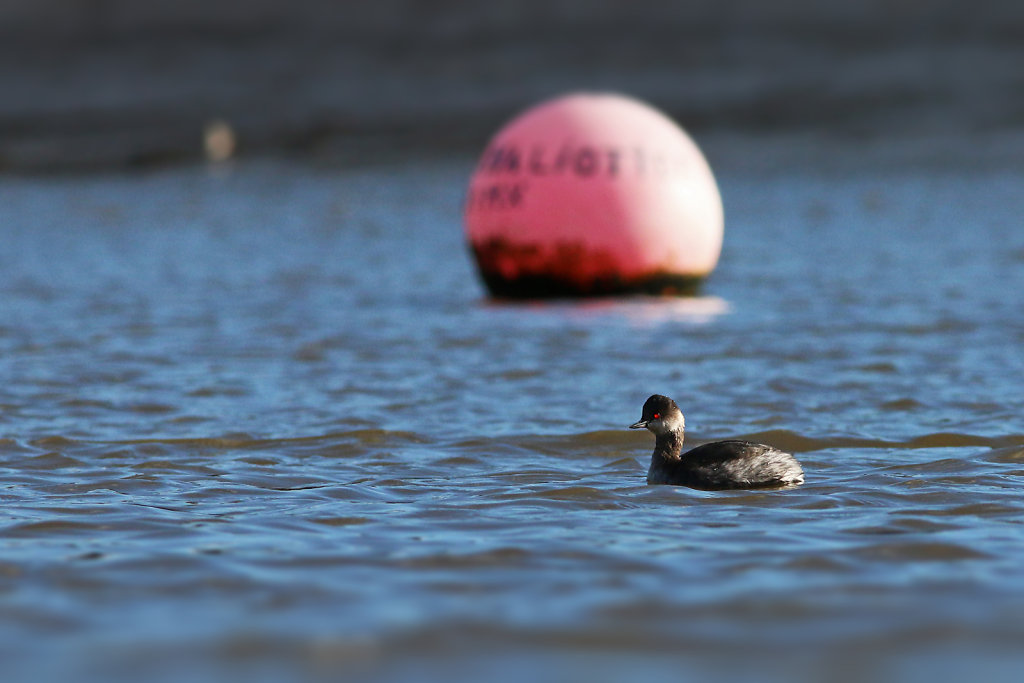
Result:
x=669 y=445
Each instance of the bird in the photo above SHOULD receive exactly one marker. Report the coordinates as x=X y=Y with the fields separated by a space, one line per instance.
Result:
x=730 y=464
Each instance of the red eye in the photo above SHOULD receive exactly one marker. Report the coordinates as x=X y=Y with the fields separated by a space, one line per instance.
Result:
x=657 y=415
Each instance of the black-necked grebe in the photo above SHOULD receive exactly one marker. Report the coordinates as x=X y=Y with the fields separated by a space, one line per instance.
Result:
x=719 y=465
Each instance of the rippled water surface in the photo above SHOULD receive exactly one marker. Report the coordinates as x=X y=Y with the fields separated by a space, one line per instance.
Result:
x=260 y=423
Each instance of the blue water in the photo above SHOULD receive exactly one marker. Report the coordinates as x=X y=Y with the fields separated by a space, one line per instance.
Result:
x=260 y=422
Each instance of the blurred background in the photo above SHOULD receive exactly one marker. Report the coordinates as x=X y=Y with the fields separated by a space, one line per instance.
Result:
x=90 y=83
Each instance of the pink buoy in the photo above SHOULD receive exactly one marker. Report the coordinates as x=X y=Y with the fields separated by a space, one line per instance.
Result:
x=593 y=194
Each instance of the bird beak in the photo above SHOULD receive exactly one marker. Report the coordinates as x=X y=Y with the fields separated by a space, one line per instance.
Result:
x=638 y=425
